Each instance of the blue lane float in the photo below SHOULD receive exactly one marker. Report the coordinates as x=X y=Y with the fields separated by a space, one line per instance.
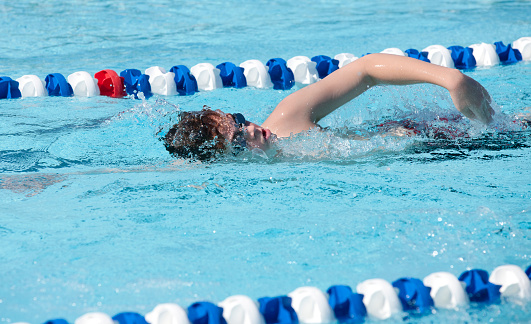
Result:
x=507 y=54
x=278 y=310
x=423 y=56
x=136 y=82
x=281 y=76
x=413 y=295
x=232 y=75
x=56 y=321
x=348 y=306
x=129 y=318
x=325 y=65
x=375 y=299
x=463 y=57
x=478 y=286
x=205 y=313
x=56 y=85
x=276 y=73
x=9 y=88
x=185 y=82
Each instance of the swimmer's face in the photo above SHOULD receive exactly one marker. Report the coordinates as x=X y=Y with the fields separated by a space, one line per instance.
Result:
x=257 y=136
x=204 y=134
x=250 y=134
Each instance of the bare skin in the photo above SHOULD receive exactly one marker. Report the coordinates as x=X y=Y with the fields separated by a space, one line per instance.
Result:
x=303 y=109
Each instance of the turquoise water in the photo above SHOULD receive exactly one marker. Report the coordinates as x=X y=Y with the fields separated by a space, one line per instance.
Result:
x=96 y=216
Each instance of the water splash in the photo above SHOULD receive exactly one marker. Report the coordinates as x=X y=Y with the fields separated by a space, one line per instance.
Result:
x=160 y=114
x=421 y=132
x=351 y=134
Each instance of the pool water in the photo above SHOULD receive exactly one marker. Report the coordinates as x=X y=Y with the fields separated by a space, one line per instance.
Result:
x=96 y=216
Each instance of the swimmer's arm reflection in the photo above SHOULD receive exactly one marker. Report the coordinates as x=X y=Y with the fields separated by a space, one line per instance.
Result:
x=302 y=109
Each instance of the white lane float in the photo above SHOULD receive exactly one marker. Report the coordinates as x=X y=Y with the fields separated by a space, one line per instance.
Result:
x=523 y=44
x=345 y=58
x=440 y=55
x=167 y=313
x=311 y=305
x=513 y=281
x=256 y=74
x=446 y=290
x=304 y=70
x=485 y=54
x=207 y=76
x=31 y=86
x=380 y=298
x=161 y=82
x=83 y=84
x=240 y=309
x=394 y=51
x=94 y=318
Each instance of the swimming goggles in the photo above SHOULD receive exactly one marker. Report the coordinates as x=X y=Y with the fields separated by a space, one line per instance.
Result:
x=238 y=142
x=239 y=119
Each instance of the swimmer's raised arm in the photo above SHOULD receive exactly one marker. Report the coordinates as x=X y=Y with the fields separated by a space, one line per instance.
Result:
x=304 y=108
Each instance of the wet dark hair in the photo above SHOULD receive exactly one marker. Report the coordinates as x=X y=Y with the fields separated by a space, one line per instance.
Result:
x=199 y=135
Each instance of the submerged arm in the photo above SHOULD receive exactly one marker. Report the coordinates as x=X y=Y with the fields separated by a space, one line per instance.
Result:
x=304 y=108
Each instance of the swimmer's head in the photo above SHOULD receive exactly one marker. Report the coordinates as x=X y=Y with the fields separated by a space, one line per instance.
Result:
x=205 y=134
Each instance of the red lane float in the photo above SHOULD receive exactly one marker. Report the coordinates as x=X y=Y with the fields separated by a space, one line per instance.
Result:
x=110 y=84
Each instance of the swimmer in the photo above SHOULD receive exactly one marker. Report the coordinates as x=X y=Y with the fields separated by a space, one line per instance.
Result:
x=204 y=134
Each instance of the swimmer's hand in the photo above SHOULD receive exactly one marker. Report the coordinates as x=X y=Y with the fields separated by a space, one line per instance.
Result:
x=471 y=99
